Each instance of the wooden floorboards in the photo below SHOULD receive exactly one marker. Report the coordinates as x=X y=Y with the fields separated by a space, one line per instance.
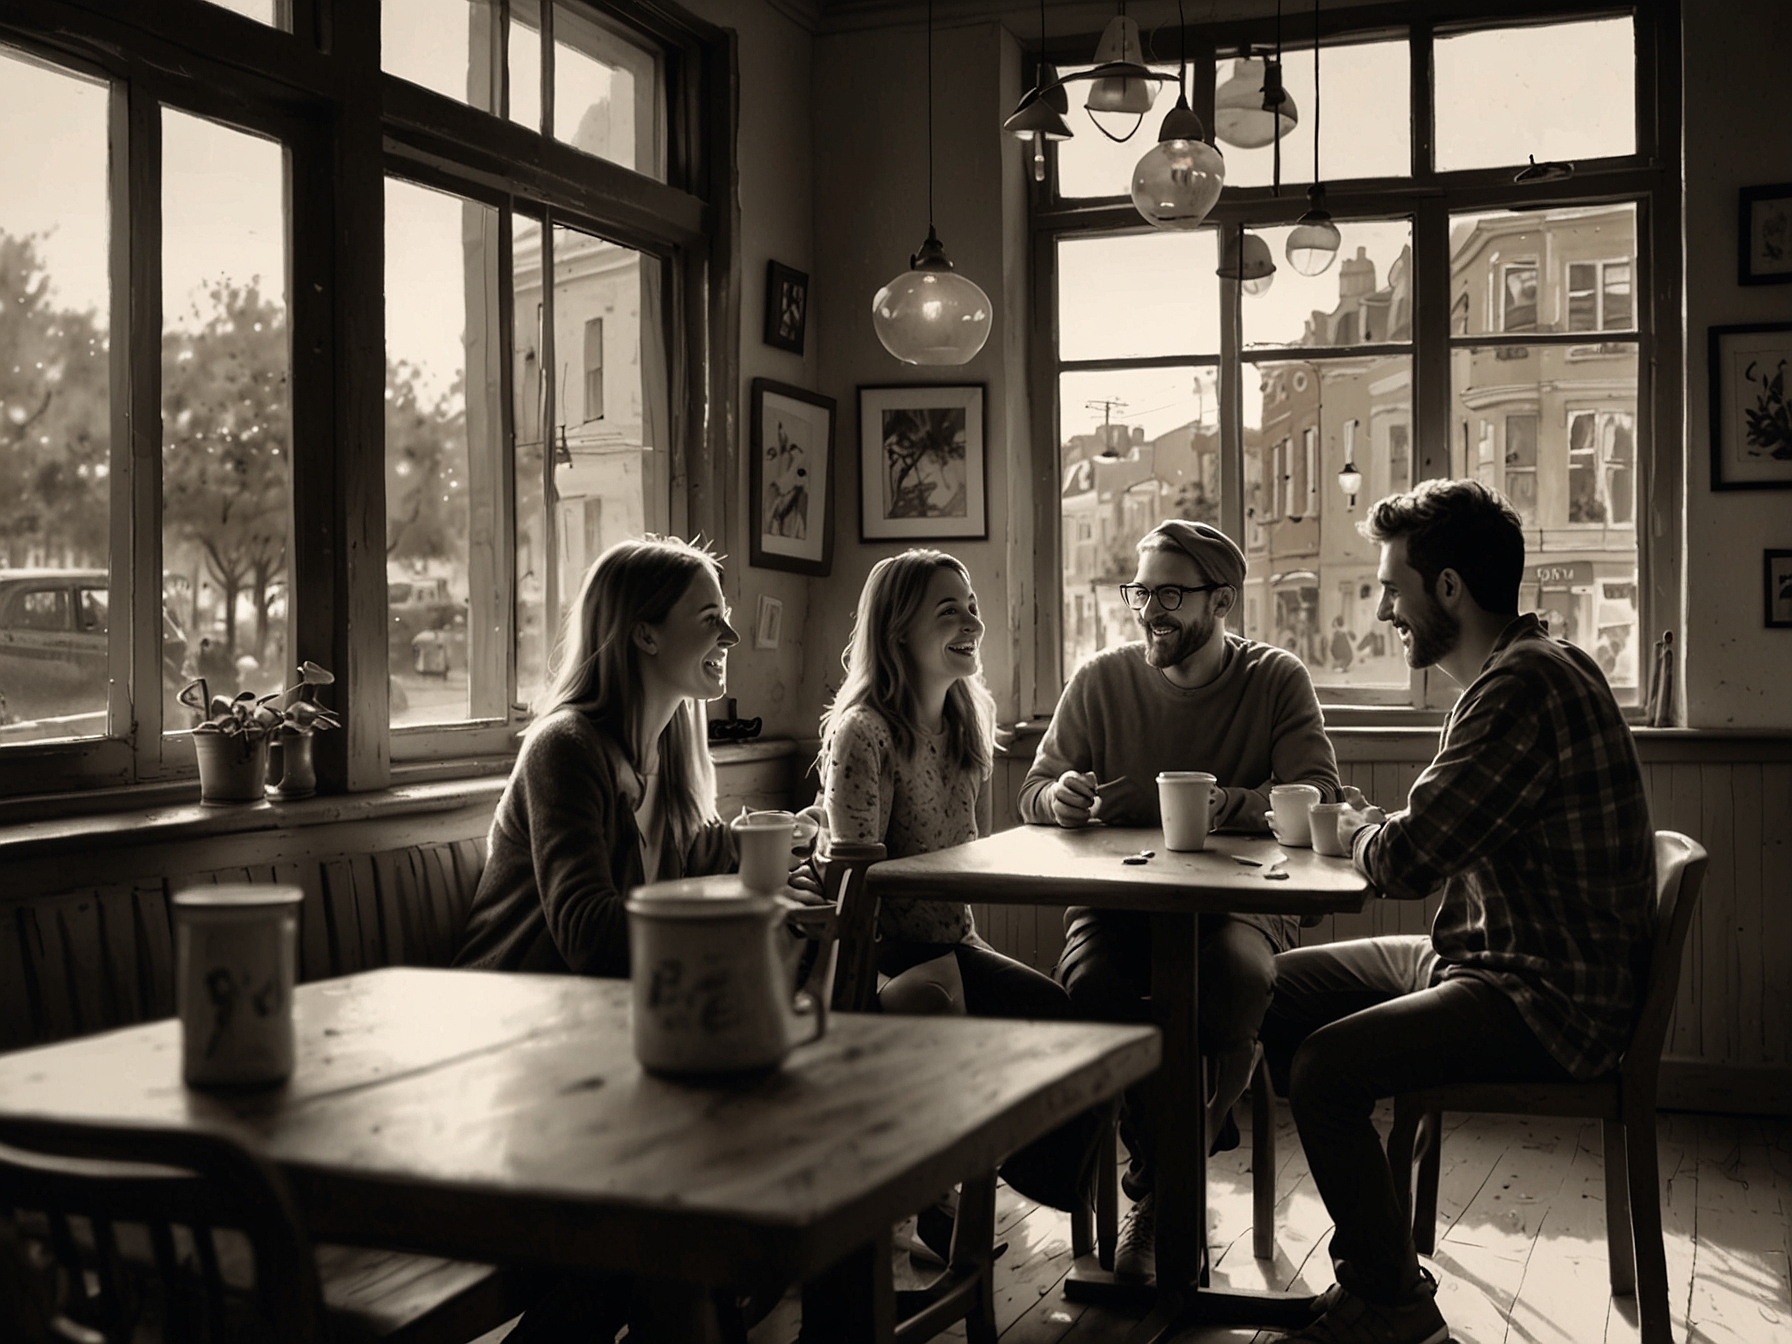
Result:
x=1521 y=1239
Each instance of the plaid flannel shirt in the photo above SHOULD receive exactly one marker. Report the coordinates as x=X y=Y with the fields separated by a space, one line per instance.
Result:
x=1533 y=821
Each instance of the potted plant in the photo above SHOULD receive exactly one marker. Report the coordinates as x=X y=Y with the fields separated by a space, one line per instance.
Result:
x=232 y=742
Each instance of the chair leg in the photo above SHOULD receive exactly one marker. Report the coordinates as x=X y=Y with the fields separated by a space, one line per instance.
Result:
x=1263 y=1162
x=1107 y=1190
x=1645 y=1225
x=1620 y=1251
x=973 y=1237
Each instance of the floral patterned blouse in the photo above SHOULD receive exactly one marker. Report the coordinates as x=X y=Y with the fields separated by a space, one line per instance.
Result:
x=910 y=803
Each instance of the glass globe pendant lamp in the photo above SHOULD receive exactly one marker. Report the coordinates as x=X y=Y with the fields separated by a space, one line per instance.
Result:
x=1245 y=257
x=930 y=314
x=1177 y=181
x=1313 y=242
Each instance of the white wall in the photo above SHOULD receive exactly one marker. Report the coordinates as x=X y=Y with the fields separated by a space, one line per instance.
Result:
x=1738 y=133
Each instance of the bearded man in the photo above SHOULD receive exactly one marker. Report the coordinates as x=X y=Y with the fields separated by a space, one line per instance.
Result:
x=1190 y=696
x=1532 y=824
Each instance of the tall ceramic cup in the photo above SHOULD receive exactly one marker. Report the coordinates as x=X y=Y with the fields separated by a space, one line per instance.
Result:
x=712 y=976
x=235 y=962
x=1185 y=798
x=764 y=840
x=1324 y=819
x=1291 y=804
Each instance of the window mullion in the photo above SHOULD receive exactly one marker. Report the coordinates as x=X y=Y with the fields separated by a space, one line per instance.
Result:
x=137 y=417
x=550 y=419
x=1231 y=392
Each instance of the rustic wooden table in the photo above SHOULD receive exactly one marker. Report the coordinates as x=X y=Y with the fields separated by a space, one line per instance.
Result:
x=503 y=1117
x=1045 y=865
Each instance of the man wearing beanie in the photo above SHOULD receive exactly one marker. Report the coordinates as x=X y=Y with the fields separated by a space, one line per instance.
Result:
x=1188 y=697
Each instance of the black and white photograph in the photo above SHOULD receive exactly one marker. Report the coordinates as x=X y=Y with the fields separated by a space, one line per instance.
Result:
x=1764 y=236
x=922 y=467
x=1777 y=584
x=786 y=306
x=1751 y=418
x=790 y=478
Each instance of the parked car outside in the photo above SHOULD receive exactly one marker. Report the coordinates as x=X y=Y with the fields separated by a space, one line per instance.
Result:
x=53 y=651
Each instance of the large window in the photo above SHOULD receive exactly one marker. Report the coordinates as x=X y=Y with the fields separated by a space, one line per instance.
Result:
x=1484 y=318
x=202 y=317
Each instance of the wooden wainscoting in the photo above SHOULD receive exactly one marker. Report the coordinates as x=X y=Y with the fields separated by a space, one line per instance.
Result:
x=1729 y=1046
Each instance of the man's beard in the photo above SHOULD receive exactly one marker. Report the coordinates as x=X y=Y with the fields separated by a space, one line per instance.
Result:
x=1434 y=634
x=1180 y=647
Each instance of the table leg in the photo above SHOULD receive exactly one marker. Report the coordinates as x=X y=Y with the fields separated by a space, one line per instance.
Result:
x=1181 y=1102
x=853 y=1301
x=667 y=1312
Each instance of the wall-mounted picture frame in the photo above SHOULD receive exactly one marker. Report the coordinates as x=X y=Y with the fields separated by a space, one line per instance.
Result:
x=786 y=306
x=1776 y=582
x=923 y=469
x=1751 y=418
x=1764 y=235
x=790 y=481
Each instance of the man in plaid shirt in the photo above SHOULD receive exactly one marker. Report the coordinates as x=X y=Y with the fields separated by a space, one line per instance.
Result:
x=1532 y=823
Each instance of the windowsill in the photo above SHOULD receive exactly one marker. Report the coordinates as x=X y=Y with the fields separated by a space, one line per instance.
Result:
x=156 y=813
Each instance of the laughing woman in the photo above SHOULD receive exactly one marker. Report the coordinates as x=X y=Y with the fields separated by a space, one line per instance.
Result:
x=614 y=785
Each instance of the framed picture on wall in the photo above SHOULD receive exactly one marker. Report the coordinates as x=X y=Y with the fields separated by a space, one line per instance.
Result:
x=923 y=471
x=1778 y=589
x=786 y=306
x=790 y=481
x=1751 y=419
x=1764 y=236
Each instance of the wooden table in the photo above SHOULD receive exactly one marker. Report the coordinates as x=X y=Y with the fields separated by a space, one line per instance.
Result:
x=1046 y=865
x=502 y=1117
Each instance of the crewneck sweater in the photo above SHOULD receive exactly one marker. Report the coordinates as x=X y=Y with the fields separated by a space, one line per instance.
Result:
x=1256 y=725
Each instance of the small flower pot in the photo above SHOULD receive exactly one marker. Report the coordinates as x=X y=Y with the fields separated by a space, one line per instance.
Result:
x=232 y=767
x=297 y=772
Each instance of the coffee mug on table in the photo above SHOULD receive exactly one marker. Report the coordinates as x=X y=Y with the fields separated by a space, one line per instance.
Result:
x=1324 y=820
x=766 y=840
x=236 y=959
x=1291 y=804
x=712 y=975
x=1185 y=798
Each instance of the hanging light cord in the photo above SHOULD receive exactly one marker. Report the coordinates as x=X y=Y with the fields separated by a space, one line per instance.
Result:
x=1315 y=93
x=930 y=229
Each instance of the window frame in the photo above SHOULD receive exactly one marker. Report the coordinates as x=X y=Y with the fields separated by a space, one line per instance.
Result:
x=314 y=83
x=1651 y=178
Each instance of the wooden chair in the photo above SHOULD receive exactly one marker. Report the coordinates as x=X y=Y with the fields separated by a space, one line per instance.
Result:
x=838 y=1303
x=1623 y=1101
x=196 y=1231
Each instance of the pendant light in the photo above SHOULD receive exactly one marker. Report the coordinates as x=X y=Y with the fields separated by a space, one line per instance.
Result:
x=930 y=314
x=1313 y=242
x=1179 y=179
x=1039 y=116
x=1250 y=107
x=1245 y=257
x=1350 y=480
x=1120 y=82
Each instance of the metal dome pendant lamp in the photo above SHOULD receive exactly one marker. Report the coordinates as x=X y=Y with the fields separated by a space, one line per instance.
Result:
x=1039 y=116
x=930 y=314
x=1179 y=179
x=1313 y=242
x=1245 y=257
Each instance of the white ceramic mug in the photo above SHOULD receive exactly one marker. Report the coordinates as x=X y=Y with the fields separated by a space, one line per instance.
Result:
x=1324 y=820
x=1291 y=803
x=1185 y=799
x=236 y=950
x=712 y=978
x=766 y=841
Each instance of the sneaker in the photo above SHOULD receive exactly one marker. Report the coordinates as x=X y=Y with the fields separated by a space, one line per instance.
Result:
x=1135 y=1249
x=1349 y=1319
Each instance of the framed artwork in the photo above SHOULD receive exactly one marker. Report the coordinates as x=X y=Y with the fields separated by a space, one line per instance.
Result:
x=786 y=306
x=923 y=471
x=1777 y=592
x=768 y=626
x=791 y=479
x=1751 y=421
x=1764 y=236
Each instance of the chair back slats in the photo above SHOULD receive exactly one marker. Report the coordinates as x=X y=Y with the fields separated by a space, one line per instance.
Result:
x=164 y=1179
x=1680 y=863
x=855 y=909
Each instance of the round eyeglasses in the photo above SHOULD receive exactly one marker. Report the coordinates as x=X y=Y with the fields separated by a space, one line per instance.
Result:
x=1168 y=595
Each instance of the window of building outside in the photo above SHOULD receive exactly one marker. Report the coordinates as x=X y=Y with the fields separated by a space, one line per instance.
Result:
x=528 y=403
x=1545 y=338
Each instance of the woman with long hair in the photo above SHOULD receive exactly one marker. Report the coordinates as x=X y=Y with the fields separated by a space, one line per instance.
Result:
x=614 y=786
x=907 y=748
